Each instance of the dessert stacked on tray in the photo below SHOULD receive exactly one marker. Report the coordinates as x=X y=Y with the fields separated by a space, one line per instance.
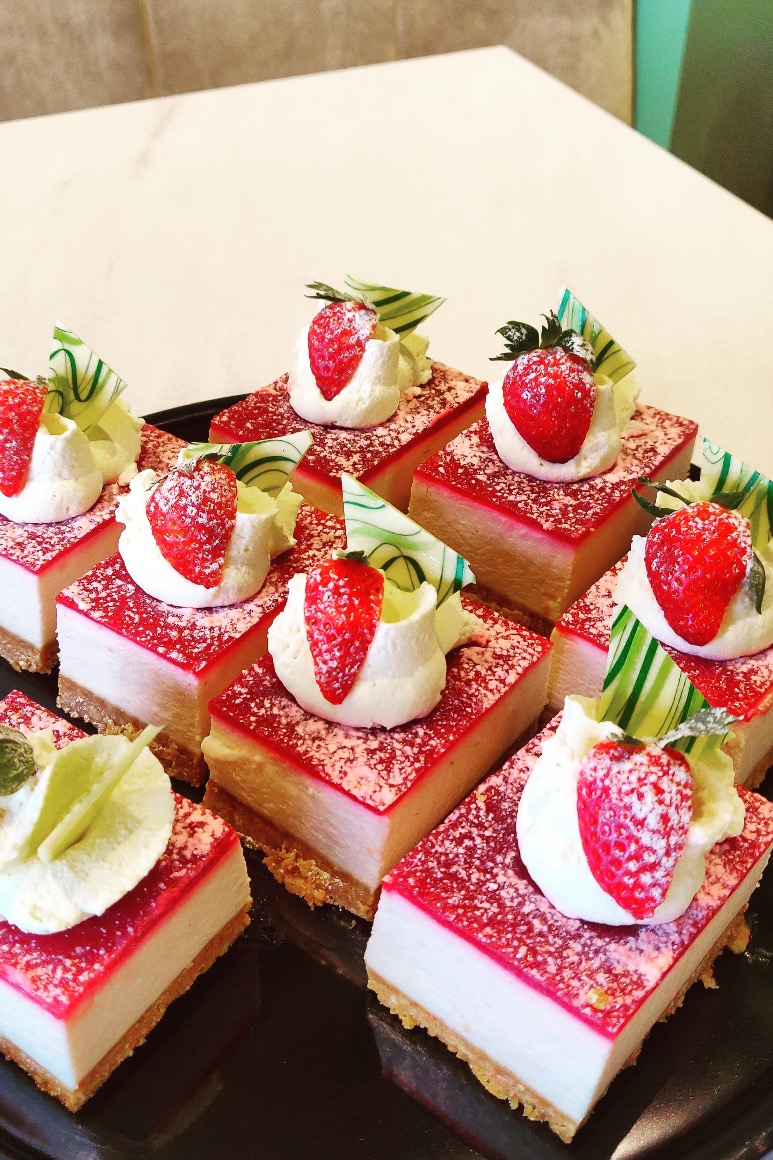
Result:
x=342 y=693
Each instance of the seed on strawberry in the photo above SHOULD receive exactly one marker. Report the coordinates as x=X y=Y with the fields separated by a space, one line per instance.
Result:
x=549 y=396
x=696 y=559
x=341 y=609
x=337 y=338
x=634 y=807
x=192 y=514
x=21 y=405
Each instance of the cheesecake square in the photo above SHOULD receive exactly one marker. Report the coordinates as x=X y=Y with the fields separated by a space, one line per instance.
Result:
x=74 y=1005
x=545 y=1009
x=334 y=807
x=38 y=560
x=535 y=546
x=127 y=660
x=744 y=686
x=382 y=457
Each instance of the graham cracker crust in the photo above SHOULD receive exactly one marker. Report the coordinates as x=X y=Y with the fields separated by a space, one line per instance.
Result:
x=185 y=764
x=26 y=657
x=294 y=864
x=73 y=1099
x=501 y=1082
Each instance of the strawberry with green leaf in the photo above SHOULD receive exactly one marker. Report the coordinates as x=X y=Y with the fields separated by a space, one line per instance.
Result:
x=337 y=338
x=192 y=515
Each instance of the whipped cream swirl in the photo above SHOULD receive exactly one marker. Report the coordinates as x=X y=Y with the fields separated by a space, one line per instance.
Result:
x=404 y=672
x=549 y=834
x=63 y=479
x=264 y=528
x=614 y=406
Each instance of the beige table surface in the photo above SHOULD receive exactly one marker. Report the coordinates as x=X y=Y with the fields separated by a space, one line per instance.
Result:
x=176 y=235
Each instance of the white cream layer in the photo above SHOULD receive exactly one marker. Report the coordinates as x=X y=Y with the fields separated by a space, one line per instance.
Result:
x=264 y=528
x=404 y=672
x=614 y=406
x=549 y=833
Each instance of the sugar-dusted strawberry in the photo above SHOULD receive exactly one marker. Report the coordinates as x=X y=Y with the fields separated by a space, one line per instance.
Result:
x=342 y=607
x=549 y=398
x=337 y=338
x=192 y=513
x=696 y=559
x=634 y=806
x=21 y=405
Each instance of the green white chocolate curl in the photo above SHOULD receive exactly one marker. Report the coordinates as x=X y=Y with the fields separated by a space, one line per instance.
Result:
x=264 y=463
x=405 y=552
x=400 y=310
x=722 y=472
x=611 y=359
x=80 y=385
x=649 y=696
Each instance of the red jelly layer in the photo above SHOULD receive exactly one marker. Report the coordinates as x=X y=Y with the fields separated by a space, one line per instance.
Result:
x=60 y=971
x=468 y=876
x=361 y=452
x=743 y=686
x=39 y=546
x=196 y=638
x=568 y=511
x=378 y=767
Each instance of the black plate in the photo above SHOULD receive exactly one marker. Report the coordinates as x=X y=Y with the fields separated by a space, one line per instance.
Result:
x=280 y=1051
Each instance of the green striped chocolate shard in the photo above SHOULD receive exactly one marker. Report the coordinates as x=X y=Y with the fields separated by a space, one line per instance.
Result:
x=645 y=692
x=263 y=463
x=400 y=310
x=611 y=359
x=405 y=552
x=722 y=472
x=80 y=385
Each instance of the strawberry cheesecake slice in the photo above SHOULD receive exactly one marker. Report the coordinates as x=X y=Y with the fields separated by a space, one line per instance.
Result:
x=384 y=699
x=68 y=445
x=537 y=496
x=696 y=584
x=78 y=999
x=570 y=902
x=362 y=384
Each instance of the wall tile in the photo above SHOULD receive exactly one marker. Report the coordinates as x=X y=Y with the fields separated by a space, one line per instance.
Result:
x=588 y=46
x=206 y=43
x=71 y=54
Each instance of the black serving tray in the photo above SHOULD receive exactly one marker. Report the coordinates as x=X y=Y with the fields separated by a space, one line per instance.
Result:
x=280 y=1051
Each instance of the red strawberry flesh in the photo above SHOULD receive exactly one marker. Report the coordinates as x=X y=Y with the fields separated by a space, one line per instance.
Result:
x=342 y=608
x=696 y=559
x=21 y=405
x=549 y=397
x=337 y=338
x=192 y=514
x=634 y=806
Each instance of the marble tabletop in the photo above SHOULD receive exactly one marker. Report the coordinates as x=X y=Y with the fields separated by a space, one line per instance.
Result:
x=176 y=235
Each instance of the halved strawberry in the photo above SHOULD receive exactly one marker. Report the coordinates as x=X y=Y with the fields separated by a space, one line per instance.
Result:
x=337 y=338
x=634 y=806
x=192 y=513
x=21 y=405
x=549 y=397
x=342 y=607
x=696 y=559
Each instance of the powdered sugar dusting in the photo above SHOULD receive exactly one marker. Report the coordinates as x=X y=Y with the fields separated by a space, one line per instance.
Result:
x=29 y=717
x=570 y=511
x=59 y=971
x=468 y=875
x=743 y=686
x=267 y=413
x=36 y=546
x=379 y=766
x=195 y=638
